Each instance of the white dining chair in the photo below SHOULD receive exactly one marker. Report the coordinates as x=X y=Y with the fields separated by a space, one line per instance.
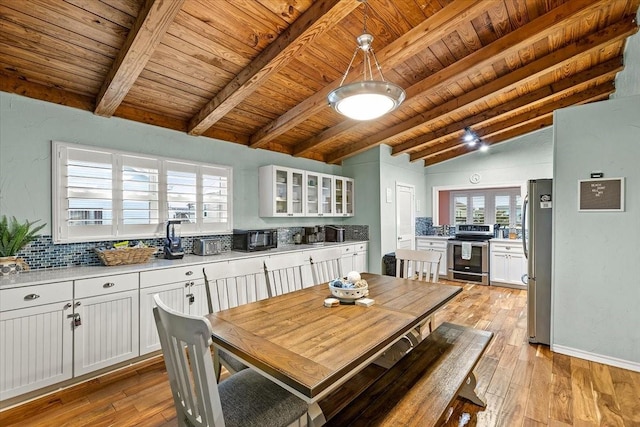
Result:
x=419 y=265
x=244 y=399
x=229 y=285
x=326 y=265
x=287 y=273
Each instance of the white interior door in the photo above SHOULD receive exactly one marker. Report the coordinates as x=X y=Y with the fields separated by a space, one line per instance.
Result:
x=405 y=216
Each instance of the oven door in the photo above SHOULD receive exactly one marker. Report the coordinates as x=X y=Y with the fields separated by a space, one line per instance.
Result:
x=474 y=268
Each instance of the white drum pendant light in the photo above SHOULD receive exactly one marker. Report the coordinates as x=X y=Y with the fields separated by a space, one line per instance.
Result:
x=366 y=99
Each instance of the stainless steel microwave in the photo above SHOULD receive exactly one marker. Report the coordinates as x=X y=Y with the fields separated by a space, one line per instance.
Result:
x=255 y=240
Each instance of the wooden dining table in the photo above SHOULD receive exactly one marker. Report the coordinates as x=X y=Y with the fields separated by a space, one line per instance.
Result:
x=311 y=349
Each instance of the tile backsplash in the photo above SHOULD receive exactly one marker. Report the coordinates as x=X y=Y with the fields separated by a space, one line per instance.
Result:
x=42 y=253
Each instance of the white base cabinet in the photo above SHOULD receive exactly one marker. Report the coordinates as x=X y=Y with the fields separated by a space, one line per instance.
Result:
x=181 y=288
x=355 y=258
x=36 y=338
x=508 y=264
x=105 y=322
x=438 y=245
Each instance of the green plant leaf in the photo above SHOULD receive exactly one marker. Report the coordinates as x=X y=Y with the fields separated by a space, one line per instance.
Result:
x=15 y=235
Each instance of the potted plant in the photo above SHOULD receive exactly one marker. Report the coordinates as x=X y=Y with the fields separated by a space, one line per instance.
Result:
x=14 y=236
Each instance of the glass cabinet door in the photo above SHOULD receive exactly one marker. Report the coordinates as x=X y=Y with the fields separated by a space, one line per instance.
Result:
x=339 y=197
x=313 y=191
x=282 y=191
x=297 y=185
x=349 y=197
x=326 y=198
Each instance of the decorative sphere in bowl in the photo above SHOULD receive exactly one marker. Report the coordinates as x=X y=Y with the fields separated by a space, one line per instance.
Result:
x=347 y=291
x=353 y=276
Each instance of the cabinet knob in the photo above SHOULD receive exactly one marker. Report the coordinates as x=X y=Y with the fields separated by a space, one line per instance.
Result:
x=108 y=285
x=67 y=305
x=189 y=273
x=77 y=304
x=31 y=297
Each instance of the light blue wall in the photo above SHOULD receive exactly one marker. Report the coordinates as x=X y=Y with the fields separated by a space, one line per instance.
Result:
x=514 y=162
x=596 y=286
x=27 y=127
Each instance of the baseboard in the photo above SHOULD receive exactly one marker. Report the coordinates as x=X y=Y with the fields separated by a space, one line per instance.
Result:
x=593 y=357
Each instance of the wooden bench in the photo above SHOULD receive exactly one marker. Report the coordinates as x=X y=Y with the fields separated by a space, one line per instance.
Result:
x=420 y=387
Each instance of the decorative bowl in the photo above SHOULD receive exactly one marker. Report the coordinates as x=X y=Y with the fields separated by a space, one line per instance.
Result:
x=349 y=294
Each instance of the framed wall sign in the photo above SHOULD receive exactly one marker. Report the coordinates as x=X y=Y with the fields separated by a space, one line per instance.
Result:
x=601 y=195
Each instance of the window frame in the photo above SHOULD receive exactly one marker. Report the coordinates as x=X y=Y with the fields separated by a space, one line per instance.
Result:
x=489 y=195
x=63 y=232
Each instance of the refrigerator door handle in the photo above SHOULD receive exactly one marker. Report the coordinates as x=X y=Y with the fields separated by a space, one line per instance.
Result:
x=524 y=226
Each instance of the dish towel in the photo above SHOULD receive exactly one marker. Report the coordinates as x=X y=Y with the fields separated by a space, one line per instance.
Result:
x=466 y=250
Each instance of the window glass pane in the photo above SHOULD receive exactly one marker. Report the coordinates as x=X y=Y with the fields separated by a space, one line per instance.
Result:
x=502 y=210
x=214 y=198
x=140 y=199
x=477 y=203
x=181 y=195
x=460 y=209
x=89 y=193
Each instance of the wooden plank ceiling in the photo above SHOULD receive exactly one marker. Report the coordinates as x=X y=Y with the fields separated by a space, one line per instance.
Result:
x=257 y=72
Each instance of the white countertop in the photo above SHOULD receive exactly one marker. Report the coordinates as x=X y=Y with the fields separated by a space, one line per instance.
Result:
x=434 y=237
x=49 y=275
x=514 y=241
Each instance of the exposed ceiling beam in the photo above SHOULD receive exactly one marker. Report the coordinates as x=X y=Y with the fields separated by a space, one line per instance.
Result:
x=509 y=44
x=317 y=20
x=429 y=31
x=150 y=26
x=528 y=114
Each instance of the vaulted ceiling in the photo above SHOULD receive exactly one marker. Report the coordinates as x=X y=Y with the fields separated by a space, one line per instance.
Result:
x=257 y=72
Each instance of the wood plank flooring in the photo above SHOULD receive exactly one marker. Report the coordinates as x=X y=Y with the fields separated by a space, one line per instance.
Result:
x=524 y=385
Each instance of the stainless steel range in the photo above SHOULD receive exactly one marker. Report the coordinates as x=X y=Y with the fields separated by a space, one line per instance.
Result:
x=468 y=253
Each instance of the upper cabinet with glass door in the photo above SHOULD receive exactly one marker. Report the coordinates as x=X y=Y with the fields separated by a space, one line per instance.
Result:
x=282 y=191
x=318 y=201
x=294 y=192
x=343 y=198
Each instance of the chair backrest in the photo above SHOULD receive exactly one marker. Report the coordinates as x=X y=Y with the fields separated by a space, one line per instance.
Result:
x=192 y=377
x=232 y=284
x=326 y=265
x=423 y=265
x=287 y=273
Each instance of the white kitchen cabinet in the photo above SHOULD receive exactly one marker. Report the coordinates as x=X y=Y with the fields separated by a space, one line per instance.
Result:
x=319 y=194
x=282 y=191
x=35 y=337
x=508 y=263
x=343 y=196
x=287 y=192
x=105 y=322
x=355 y=258
x=181 y=288
x=436 y=244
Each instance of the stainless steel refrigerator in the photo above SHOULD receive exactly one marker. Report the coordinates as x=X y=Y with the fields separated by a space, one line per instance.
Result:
x=536 y=240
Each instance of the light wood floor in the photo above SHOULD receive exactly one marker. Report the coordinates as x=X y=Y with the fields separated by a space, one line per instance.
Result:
x=524 y=385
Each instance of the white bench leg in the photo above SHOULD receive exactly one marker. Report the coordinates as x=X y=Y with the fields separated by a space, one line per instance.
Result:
x=468 y=391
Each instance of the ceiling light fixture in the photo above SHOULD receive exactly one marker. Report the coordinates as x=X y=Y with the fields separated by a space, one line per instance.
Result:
x=366 y=99
x=472 y=138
